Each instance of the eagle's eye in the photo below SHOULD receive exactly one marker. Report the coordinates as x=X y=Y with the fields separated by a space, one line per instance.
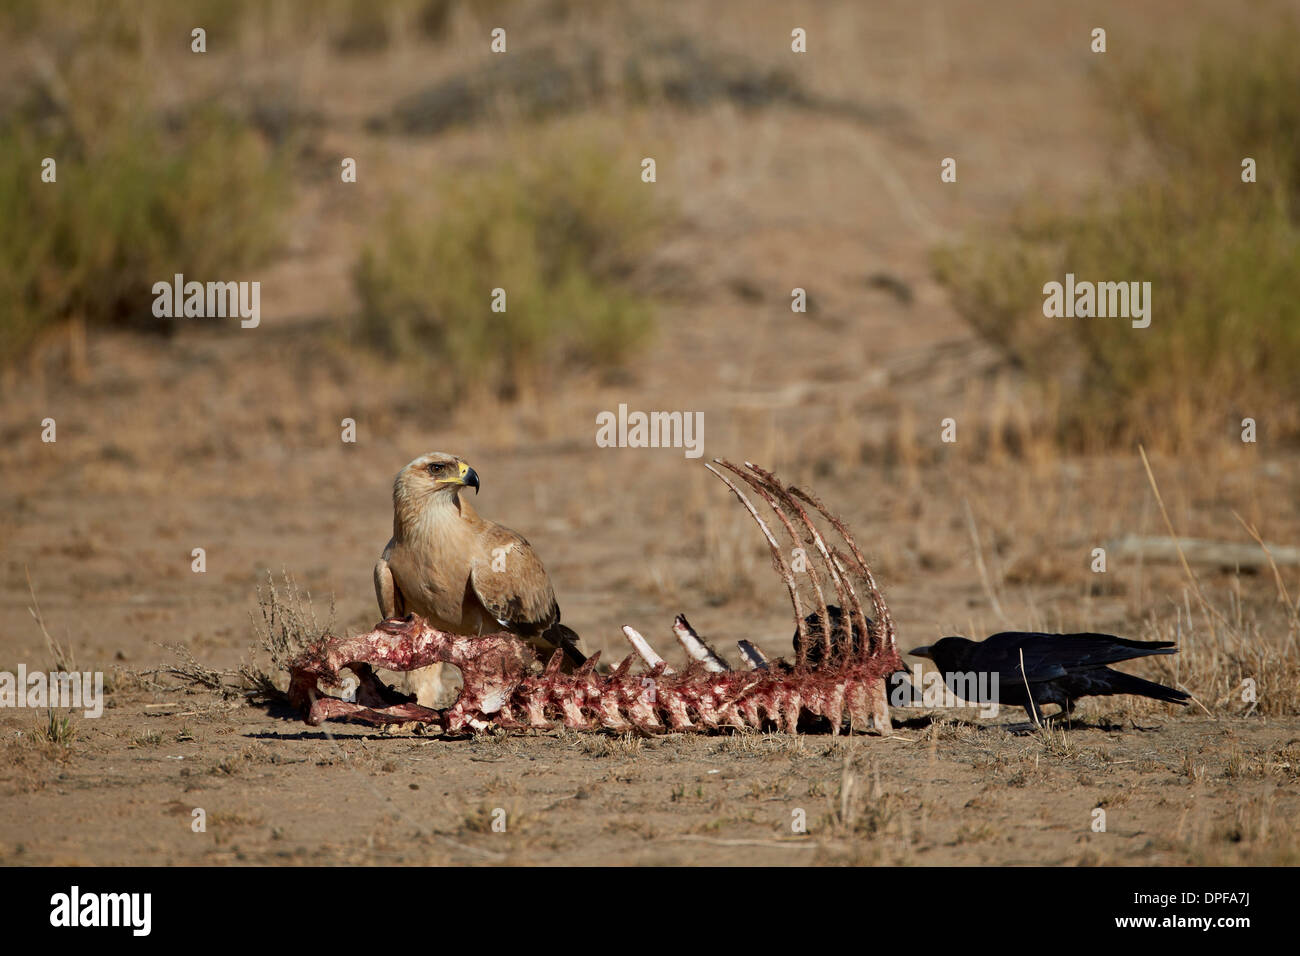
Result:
x=434 y=467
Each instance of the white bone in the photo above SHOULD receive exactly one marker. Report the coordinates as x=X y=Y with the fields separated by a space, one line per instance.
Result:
x=640 y=645
x=695 y=647
x=753 y=657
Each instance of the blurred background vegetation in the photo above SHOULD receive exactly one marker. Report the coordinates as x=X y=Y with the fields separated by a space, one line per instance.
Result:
x=560 y=233
x=154 y=187
x=140 y=202
x=1223 y=256
x=203 y=187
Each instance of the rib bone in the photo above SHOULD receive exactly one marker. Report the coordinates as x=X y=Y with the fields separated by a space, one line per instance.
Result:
x=754 y=658
x=695 y=647
x=642 y=647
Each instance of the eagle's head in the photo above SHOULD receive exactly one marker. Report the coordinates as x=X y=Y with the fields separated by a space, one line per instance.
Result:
x=436 y=476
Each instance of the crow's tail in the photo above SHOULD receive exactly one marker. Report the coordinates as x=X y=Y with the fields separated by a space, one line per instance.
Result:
x=1121 y=683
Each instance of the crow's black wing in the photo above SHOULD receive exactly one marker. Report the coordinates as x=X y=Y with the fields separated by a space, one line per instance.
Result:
x=1052 y=656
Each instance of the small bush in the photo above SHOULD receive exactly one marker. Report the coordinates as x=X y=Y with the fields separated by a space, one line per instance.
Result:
x=1222 y=257
x=139 y=197
x=561 y=235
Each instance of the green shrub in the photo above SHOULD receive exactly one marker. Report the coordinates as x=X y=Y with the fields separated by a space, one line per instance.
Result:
x=130 y=207
x=1222 y=256
x=561 y=235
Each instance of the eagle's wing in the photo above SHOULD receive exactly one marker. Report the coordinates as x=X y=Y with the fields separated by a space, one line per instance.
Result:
x=391 y=603
x=511 y=584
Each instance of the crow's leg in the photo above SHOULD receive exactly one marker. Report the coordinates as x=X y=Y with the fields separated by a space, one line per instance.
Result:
x=1035 y=719
x=1067 y=709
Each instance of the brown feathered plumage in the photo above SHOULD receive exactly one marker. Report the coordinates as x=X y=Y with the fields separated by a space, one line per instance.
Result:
x=461 y=572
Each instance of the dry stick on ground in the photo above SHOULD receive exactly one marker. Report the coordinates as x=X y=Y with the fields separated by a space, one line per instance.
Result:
x=805 y=843
x=1200 y=551
x=848 y=783
x=1025 y=677
x=1192 y=697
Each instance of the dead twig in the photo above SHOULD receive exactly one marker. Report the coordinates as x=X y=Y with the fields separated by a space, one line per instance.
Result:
x=64 y=660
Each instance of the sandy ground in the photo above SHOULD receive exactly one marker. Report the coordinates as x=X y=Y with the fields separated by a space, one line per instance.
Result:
x=229 y=440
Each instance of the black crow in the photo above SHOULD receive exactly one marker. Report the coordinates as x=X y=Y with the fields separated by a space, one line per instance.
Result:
x=1058 y=668
x=840 y=644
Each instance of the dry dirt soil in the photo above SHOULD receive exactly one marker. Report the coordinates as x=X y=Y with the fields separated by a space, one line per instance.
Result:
x=228 y=440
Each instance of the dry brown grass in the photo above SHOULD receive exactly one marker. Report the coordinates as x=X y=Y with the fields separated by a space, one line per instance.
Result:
x=287 y=625
x=622 y=745
x=1228 y=653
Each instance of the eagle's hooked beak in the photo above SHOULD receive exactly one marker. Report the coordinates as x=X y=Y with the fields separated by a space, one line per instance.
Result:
x=921 y=652
x=465 y=475
x=468 y=476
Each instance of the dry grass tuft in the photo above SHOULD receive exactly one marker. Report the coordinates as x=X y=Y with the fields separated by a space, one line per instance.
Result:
x=604 y=745
x=285 y=624
x=57 y=732
x=288 y=625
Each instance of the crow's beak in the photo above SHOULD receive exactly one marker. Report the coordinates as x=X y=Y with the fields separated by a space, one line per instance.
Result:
x=921 y=652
